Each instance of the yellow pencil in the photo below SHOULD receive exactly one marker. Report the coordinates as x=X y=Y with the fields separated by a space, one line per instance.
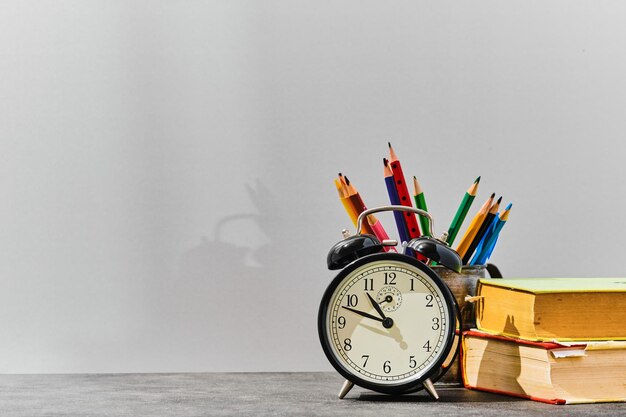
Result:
x=472 y=229
x=345 y=201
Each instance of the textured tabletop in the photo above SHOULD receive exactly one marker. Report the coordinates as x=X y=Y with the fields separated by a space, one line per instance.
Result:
x=254 y=394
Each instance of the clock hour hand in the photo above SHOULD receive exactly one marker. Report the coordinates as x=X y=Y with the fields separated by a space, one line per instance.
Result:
x=363 y=313
x=376 y=306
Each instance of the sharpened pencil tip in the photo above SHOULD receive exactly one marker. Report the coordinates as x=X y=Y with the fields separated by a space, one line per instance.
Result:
x=385 y=161
x=477 y=180
x=509 y=206
x=492 y=195
x=392 y=153
x=347 y=180
x=500 y=199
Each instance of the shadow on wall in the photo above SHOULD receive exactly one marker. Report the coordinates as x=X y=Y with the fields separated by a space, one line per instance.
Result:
x=227 y=301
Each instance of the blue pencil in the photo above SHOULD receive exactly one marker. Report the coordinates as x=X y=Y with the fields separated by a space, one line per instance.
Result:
x=394 y=199
x=491 y=243
x=481 y=246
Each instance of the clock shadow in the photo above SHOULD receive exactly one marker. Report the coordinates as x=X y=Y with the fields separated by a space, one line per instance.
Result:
x=229 y=305
x=446 y=395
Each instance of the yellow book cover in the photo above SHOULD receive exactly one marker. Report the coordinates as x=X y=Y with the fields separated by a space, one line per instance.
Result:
x=544 y=309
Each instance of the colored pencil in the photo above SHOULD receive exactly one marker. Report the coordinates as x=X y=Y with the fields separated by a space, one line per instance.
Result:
x=481 y=245
x=482 y=249
x=345 y=201
x=461 y=212
x=420 y=203
x=373 y=223
x=358 y=204
x=380 y=232
x=494 y=239
x=472 y=229
x=403 y=193
x=482 y=230
x=489 y=246
x=395 y=200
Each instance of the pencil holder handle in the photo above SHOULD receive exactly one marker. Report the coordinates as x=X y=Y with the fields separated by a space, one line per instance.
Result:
x=367 y=212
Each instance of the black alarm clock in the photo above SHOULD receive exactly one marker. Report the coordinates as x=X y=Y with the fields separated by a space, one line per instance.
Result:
x=387 y=322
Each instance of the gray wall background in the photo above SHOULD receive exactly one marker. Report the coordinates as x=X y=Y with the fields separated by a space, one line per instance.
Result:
x=166 y=167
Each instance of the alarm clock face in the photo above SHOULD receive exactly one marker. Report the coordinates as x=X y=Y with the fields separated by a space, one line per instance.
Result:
x=387 y=323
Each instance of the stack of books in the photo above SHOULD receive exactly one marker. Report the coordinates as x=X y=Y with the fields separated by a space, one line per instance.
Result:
x=555 y=340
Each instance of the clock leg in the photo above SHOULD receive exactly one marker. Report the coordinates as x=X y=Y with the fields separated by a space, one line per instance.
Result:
x=345 y=388
x=428 y=385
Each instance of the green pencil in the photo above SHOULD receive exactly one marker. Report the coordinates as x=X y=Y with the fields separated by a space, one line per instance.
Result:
x=466 y=203
x=420 y=203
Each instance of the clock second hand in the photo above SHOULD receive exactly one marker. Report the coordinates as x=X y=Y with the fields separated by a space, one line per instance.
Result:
x=387 y=299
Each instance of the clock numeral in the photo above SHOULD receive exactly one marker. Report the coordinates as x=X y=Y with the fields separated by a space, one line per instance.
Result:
x=435 y=323
x=347 y=345
x=427 y=346
x=341 y=321
x=429 y=300
x=366 y=357
x=352 y=300
x=412 y=288
x=390 y=278
x=387 y=367
x=369 y=284
x=412 y=362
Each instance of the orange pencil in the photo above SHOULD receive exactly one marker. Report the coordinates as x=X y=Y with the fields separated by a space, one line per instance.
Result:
x=358 y=205
x=474 y=226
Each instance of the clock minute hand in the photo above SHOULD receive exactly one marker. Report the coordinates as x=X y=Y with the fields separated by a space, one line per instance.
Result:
x=363 y=313
x=376 y=306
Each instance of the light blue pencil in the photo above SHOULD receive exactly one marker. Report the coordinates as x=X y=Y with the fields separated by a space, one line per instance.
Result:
x=485 y=239
x=489 y=246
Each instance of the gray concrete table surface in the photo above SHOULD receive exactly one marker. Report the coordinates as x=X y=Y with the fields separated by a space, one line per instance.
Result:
x=253 y=394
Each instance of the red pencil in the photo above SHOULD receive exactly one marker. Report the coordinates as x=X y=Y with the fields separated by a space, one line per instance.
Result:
x=405 y=198
x=380 y=232
x=403 y=194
